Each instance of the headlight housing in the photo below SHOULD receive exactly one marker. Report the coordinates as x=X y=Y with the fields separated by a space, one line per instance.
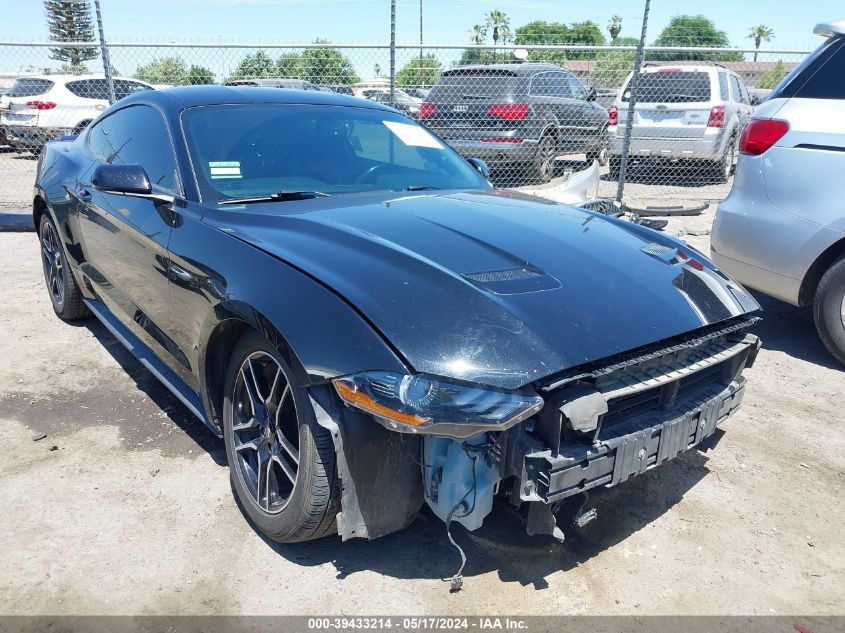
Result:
x=425 y=404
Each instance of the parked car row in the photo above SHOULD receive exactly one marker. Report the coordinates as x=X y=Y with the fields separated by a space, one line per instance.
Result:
x=37 y=109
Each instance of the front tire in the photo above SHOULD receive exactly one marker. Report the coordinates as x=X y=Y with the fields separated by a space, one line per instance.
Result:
x=829 y=310
x=281 y=462
x=61 y=285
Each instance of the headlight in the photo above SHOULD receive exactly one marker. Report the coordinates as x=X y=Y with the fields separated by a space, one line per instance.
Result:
x=424 y=404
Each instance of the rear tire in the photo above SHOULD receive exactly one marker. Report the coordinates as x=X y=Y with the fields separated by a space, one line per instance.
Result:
x=544 y=162
x=829 y=310
x=723 y=169
x=61 y=285
x=600 y=154
x=281 y=462
x=614 y=168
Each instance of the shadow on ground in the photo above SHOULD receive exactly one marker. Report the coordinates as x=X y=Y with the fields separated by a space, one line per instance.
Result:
x=791 y=330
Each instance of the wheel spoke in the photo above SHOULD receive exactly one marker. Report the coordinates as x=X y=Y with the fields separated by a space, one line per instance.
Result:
x=249 y=386
x=250 y=445
x=252 y=423
x=289 y=472
x=275 y=384
x=257 y=392
x=261 y=473
x=289 y=448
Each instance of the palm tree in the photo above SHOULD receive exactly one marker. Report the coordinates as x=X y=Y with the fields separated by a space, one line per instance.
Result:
x=614 y=27
x=478 y=34
x=760 y=33
x=501 y=25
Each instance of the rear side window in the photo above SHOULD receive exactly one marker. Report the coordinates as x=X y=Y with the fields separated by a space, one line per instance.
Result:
x=137 y=136
x=29 y=87
x=89 y=88
x=671 y=86
x=473 y=84
x=723 y=86
x=819 y=77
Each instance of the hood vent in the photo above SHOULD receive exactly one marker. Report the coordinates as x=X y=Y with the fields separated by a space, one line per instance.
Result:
x=514 y=281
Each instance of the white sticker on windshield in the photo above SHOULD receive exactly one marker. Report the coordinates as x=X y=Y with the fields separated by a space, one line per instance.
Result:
x=225 y=169
x=413 y=135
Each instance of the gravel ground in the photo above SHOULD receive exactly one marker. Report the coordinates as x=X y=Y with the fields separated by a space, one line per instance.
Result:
x=108 y=482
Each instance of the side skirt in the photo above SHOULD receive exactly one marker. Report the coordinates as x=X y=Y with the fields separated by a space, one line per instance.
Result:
x=148 y=359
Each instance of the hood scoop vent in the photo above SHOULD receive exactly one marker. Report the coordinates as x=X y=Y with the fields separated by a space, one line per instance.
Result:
x=513 y=281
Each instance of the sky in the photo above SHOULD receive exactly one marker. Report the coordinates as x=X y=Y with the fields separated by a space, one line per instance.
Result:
x=368 y=21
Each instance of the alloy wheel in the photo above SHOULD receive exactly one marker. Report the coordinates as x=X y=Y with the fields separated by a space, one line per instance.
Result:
x=53 y=263
x=265 y=432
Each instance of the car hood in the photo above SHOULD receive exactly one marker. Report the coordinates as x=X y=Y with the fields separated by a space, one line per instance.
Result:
x=494 y=286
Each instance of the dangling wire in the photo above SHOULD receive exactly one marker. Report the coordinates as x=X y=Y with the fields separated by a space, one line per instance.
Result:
x=457 y=580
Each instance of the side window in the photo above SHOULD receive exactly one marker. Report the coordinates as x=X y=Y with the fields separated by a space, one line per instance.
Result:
x=137 y=136
x=541 y=85
x=723 y=86
x=826 y=82
x=735 y=96
x=124 y=88
x=746 y=98
x=89 y=88
x=576 y=90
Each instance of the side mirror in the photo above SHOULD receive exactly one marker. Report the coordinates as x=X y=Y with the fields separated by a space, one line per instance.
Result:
x=592 y=93
x=755 y=101
x=480 y=166
x=125 y=179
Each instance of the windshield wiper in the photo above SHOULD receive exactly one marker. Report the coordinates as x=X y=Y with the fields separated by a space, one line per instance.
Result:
x=419 y=188
x=279 y=196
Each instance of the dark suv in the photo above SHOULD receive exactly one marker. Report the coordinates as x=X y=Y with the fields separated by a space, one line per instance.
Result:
x=517 y=115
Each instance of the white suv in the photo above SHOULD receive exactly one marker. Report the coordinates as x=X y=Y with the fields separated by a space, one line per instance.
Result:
x=782 y=228
x=684 y=112
x=39 y=108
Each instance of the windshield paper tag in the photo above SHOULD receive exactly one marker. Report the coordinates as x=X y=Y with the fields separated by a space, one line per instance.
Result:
x=225 y=169
x=413 y=135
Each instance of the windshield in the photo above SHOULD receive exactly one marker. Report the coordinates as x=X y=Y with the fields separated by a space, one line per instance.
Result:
x=473 y=84
x=258 y=150
x=671 y=86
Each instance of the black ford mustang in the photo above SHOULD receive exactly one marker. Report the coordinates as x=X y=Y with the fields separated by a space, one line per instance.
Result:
x=368 y=324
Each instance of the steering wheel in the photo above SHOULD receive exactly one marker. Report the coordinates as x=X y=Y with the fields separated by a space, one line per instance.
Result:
x=370 y=174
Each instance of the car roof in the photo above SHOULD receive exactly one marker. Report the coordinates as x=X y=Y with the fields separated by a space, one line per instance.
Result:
x=828 y=29
x=520 y=69
x=182 y=97
x=66 y=78
x=268 y=81
x=652 y=67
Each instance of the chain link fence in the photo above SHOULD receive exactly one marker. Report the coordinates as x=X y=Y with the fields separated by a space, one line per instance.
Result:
x=533 y=113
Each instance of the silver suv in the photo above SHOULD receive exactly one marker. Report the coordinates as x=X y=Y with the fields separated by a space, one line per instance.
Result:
x=684 y=112
x=782 y=228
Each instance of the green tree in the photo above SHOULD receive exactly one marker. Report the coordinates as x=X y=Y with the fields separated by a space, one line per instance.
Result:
x=626 y=41
x=499 y=27
x=256 y=65
x=289 y=65
x=694 y=30
x=478 y=35
x=542 y=32
x=70 y=21
x=760 y=33
x=611 y=68
x=419 y=73
x=174 y=71
x=82 y=69
x=200 y=76
x=614 y=27
x=773 y=76
x=327 y=66
x=585 y=34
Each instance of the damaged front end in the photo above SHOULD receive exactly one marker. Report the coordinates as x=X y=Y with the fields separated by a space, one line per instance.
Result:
x=593 y=425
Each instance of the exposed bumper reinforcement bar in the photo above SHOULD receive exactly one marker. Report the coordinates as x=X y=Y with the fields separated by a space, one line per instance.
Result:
x=640 y=446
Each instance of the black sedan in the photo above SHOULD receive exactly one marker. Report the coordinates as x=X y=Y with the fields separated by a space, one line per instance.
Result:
x=368 y=324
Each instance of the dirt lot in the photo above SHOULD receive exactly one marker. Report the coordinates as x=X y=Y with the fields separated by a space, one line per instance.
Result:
x=124 y=506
